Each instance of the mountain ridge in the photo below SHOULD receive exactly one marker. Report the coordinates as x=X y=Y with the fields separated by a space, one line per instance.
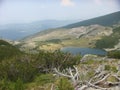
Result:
x=106 y=20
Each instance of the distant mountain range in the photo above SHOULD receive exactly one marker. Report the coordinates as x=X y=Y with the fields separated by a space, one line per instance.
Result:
x=18 y=31
x=81 y=34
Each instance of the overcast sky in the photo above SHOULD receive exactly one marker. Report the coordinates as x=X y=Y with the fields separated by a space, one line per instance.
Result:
x=25 y=11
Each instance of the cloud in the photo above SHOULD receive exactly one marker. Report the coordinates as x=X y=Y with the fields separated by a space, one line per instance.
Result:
x=67 y=3
x=99 y=2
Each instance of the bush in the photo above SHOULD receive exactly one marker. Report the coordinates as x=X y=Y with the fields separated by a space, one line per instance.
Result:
x=49 y=60
x=114 y=54
x=14 y=69
x=111 y=68
x=19 y=85
x=44 y=79
x=4 y=84
x=64 y=84
x=107 y=67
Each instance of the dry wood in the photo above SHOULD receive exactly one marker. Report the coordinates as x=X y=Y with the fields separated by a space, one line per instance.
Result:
x=101 y=75
x=102 y=79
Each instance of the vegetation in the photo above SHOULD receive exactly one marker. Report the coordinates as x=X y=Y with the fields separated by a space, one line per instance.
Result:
x=7 y=50
x=109 y=41
x=64 y=84
x=114 y=54
x=55 y=41
x=18 y=68
x=25 y=71
x=106 y=20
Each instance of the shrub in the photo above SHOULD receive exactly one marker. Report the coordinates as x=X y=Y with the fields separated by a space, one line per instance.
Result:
x=19 y=85
x=64 y=84
x=4 y=84
x=44 y=79
x=114 y=54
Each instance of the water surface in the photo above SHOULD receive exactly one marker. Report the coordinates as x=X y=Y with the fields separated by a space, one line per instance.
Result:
x=83 y=51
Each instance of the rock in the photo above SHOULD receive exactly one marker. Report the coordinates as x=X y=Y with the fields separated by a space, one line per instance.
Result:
x=88 y=57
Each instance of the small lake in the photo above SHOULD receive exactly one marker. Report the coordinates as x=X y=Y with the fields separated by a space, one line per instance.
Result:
x=83 y=51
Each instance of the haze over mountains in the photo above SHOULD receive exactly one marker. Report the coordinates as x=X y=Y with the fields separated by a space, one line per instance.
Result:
x=19 y=31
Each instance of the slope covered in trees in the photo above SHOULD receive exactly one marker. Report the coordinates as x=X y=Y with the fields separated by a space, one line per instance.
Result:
x=107 y=20
x=109 y=41
x=7 y=50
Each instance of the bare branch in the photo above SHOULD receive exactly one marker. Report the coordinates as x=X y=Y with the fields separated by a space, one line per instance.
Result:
x=95 y=86
x=61 y=74
x=100 y=75
x=83 y=87
x=114 y=84
x=102 y=79
x=76 y=74
x=52 y=86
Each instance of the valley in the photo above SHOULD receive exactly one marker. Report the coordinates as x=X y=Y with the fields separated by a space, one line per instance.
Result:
x=59 y=44
x=79 y=56
x=82 y=34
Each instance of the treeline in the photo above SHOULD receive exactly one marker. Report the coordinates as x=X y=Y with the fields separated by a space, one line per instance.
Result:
x=109 y=41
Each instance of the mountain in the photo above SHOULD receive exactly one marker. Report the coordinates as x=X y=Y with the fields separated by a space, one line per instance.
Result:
x=81 y=34
x=111 y=41
x=106 y=20
x=18 y=31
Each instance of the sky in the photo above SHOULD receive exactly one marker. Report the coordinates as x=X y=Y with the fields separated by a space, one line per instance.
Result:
x=26 y=11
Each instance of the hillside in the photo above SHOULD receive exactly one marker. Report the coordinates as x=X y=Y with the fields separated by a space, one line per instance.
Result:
x=7 y=50
x=57 y=38
x=112 y=41
x=81 y=34
x=107 y=20
x=56 y=70
x=46 y=70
